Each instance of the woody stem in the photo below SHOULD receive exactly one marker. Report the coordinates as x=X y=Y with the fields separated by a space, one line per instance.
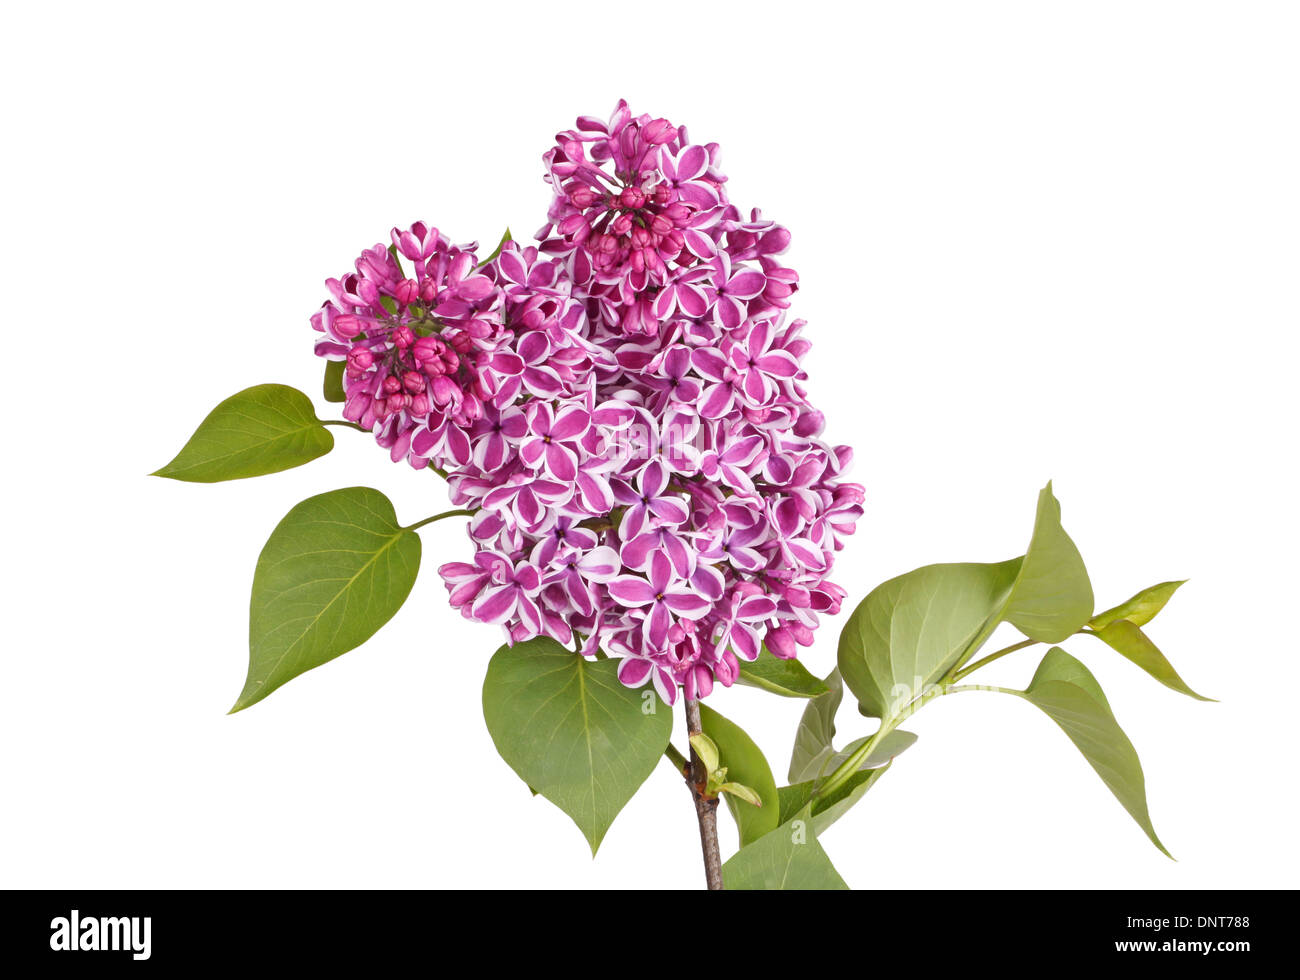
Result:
x=706 y=807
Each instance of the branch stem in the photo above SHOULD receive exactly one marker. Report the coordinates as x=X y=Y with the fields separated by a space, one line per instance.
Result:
x=706 y=807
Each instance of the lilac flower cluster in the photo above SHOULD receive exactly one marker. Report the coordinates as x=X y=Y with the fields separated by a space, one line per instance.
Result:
x=620 y=405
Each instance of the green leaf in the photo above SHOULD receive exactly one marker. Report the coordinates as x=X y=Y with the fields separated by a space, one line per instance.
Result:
x=788 y=858
x=826 y=810
x=331 y=574
x=1052 y=597
x=334 y=382
x=814 y=755
x=893 y=745
x=1064 y=689
x=745 y=763
x=788 y=678
x=907 y=633
x=816 y=732
x=497 y=251
x=1127 y=638
x=1139 y=610
x=260 y=430
x=572 y=731
x=814 y=750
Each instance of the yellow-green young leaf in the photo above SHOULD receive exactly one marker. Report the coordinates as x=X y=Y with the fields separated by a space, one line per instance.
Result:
x=745 y=794
x=1141 y=609
x=333 y=387
x=788 y=678
x=331 y=574
x=260 y=430
x=706 y=750
x=1064 y=689
x=572 y=731
x=788 y=858
x=745 y=763
x=1052 y=597
x=1128 y=639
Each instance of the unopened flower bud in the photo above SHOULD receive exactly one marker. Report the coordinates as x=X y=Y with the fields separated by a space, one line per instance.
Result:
x=406 y=292
x=809 y=423
x=347 y=326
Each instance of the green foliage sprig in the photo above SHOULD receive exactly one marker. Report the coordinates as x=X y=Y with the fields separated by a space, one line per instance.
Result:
x=340 y=565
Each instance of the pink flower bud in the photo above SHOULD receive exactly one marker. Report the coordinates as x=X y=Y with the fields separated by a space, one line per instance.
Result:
x=347 y=326
x=781 y=643
x=573 y=224
x=444 y=390
x=810 y=423
x=406 y=292
x=658 y=132
x=357 y=405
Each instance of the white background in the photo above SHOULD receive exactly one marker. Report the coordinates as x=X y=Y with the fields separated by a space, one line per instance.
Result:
x=1036 y=241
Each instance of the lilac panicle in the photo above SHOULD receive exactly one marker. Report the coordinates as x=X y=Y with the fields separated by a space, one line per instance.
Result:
x=621 y=404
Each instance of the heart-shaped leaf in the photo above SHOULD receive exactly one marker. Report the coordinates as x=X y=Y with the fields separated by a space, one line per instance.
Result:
x=746 y=764
x=1064 y=689
x=260 y=430
x=788 y=858
x=788 y=678
x=1052 y=597
x=331 y=574
x=908 y=633
x=572 y=731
